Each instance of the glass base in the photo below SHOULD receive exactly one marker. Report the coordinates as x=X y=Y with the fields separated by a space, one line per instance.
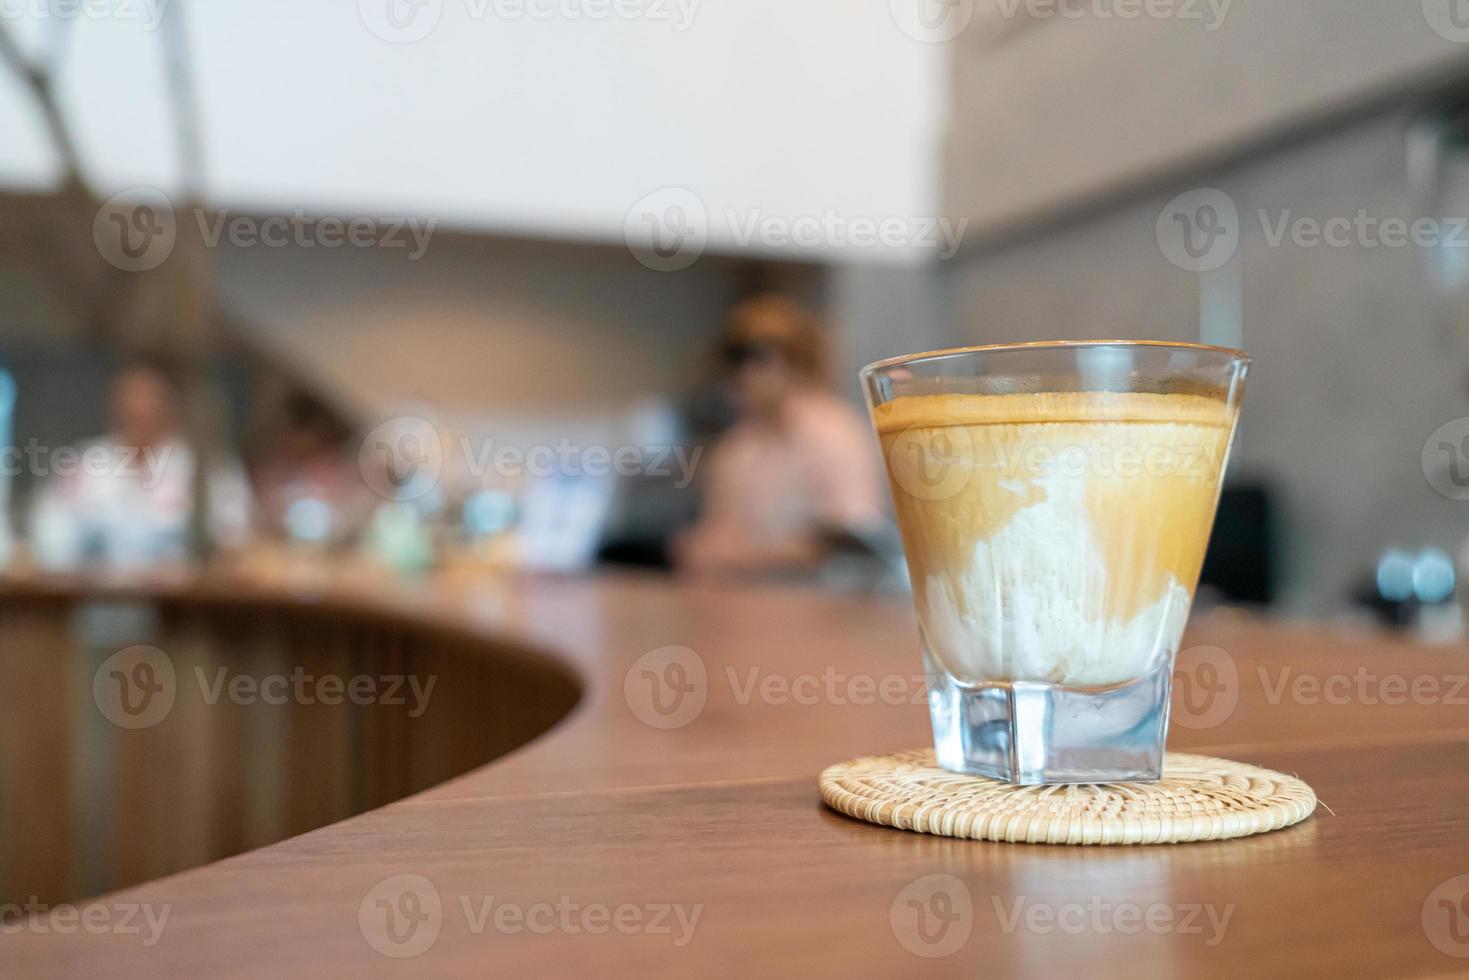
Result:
x=1034 y=734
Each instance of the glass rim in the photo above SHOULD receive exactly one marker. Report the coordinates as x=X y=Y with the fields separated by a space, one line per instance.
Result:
x=933 y=355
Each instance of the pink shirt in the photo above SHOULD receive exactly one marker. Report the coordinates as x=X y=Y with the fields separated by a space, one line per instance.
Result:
x=820 y=469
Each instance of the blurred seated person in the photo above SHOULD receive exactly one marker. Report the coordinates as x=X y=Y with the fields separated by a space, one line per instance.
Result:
x=308 y=481
x=799 y=465
x=129 y=500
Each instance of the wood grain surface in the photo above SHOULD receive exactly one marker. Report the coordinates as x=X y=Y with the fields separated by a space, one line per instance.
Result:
x=670 y=825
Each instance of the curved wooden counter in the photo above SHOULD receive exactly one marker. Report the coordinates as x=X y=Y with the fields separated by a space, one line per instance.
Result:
x=637 y=838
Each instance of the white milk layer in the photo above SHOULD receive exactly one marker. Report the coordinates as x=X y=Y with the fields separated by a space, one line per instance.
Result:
x=1032 y=605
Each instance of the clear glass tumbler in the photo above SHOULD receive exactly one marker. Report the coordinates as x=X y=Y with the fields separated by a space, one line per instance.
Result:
x=1055 y=502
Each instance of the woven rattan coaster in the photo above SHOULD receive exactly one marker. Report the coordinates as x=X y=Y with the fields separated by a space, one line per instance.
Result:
x=1199 y=798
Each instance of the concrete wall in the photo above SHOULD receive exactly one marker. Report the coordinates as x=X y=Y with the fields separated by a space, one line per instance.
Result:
x=1354 y=367
x=1052 y=111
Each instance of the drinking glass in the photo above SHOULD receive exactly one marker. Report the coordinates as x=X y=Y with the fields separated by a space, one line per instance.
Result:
x=1055 y=502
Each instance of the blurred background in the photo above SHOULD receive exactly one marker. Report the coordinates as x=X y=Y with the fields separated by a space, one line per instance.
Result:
x=451 y=287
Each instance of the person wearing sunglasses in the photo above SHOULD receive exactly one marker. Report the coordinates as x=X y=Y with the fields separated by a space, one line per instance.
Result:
x=796 y=470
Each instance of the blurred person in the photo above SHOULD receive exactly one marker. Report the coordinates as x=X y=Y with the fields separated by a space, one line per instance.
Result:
x=129 y=498
x=308 y=482
x=798 y=467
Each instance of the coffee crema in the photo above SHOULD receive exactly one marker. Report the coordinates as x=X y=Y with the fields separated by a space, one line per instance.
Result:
x=1054 y=537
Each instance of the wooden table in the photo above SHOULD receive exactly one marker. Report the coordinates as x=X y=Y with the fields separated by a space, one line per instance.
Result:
x=612 y=846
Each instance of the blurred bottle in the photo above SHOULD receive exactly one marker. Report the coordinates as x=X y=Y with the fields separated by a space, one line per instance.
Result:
x=1418 y=592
